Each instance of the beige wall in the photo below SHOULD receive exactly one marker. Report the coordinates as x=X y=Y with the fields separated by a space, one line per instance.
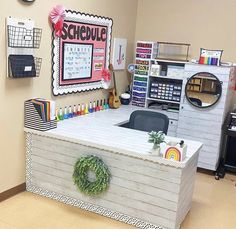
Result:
x=208 y=24
x=13 y=93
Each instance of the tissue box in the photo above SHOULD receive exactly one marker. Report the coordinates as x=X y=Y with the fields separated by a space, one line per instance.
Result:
x=155 y=70
x=173 y=151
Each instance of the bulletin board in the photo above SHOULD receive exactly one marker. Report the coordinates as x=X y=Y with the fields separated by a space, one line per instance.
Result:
x=81 y=53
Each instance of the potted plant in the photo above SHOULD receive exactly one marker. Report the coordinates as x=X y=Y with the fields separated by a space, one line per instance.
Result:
x=156 y=138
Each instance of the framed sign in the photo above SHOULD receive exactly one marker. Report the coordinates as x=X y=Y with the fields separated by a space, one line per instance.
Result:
x=81 y=53
x=119 y=53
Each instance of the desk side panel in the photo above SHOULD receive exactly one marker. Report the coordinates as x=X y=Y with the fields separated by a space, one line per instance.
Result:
x=186 y=188
x=140 y=189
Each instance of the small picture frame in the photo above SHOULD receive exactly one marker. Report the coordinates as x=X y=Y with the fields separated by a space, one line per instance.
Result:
x=155 y=70
x=119 y=53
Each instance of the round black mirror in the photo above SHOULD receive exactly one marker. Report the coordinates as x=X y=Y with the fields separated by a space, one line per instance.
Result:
x=203 y=89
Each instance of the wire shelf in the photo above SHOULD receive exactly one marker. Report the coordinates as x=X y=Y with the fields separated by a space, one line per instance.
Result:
x=19 y=37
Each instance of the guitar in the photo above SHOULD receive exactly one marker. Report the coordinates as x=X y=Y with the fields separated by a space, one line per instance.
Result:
x=114 y=101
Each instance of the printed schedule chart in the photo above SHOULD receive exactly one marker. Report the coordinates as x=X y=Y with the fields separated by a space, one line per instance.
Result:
x=77 y=61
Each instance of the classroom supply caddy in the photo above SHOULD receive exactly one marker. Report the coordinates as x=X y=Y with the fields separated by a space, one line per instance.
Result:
x=22 y=39
x=39 y=114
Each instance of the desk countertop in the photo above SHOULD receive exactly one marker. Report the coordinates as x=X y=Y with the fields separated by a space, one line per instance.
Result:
x=100 y=130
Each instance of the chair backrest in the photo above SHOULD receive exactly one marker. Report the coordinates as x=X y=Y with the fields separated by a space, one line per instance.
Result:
x=196 y=101
x=149 y=121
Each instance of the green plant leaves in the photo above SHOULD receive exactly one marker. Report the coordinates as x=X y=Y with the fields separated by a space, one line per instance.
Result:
x=156 y=137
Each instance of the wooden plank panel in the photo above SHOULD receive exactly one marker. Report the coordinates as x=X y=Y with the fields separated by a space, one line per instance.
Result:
x=67 y=148
x=114 y=168
x=139 y=196
x=200 y=116
x=200 y=135
x=202 y=164
x=209 y=128
x=209 y=154
x=223 y=71
x=186 y=192
x=58 y=184
x=120 y=182
x=186 y=172
x=208 y=160
x=49 y=157
x=208 y=142
x=119 y=198
x=209 y=111
x=187 y=202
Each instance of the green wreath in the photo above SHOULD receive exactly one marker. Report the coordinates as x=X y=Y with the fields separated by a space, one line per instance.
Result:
x=80 y=175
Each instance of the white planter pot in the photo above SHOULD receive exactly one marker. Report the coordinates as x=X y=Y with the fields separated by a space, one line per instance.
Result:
x=155 y=151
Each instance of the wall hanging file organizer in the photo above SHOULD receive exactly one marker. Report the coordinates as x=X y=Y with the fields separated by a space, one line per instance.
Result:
x=22 y=40
x=40 y=114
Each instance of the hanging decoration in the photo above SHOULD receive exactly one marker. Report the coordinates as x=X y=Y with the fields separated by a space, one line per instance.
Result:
x=57 y=16
x=106 y=78
x=81 y=51
x=81 y=179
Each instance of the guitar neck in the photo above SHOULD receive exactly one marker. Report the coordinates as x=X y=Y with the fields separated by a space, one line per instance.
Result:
x=114 y=78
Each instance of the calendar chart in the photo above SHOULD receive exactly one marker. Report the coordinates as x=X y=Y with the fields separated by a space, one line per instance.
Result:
x=78 y=59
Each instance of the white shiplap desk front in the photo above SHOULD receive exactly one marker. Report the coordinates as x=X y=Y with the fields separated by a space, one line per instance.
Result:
x=145 y=191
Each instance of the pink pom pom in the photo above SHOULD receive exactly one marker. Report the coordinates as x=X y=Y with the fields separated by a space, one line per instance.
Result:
x=57 y=16
x=58 y=13
x=106 y=74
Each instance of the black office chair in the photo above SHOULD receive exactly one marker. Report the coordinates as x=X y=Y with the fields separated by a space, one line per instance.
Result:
x=148 y=121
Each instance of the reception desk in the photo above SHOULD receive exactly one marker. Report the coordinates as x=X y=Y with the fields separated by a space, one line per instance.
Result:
x=145 y=191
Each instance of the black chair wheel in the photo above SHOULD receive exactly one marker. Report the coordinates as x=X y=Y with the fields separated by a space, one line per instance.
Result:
x=217 y=177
